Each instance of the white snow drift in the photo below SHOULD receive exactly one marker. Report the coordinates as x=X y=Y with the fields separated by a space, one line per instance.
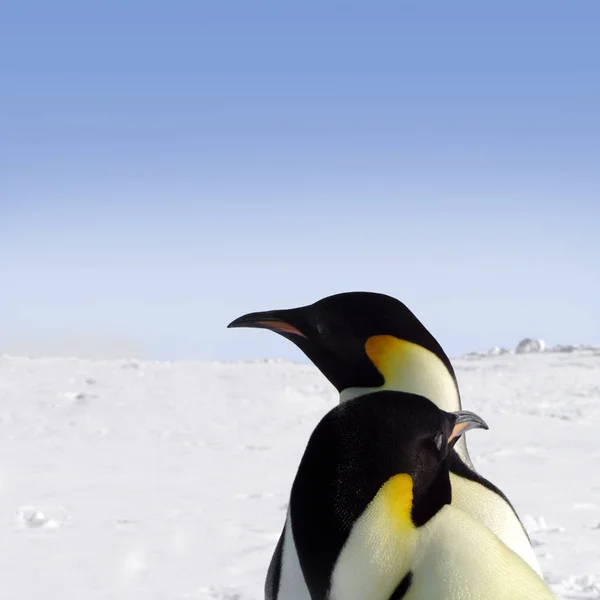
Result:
x=125 y=480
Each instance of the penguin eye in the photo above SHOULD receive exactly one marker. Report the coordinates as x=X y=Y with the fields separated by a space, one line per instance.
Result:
x=321 y=329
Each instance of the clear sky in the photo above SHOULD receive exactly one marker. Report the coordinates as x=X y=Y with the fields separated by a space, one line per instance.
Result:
x=167 y=167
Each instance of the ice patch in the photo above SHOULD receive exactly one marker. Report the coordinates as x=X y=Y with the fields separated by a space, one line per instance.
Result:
x=585 y=506
x=581 y=587
x=533 y=525
x=216 y=593
x=134 y=564
x=30 y=517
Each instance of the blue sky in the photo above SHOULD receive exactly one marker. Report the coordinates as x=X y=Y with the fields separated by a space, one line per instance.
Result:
x=167 y=167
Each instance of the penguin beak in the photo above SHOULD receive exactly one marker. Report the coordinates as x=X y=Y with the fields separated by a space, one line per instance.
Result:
x=464 y=421
x=278 y=321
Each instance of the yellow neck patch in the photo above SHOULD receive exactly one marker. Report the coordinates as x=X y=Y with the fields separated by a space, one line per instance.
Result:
x=396 y=496
x=392 y=355
x=408 y=367
x=381 y=547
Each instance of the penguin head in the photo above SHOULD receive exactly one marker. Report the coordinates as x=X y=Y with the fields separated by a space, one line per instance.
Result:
x=397 y=436
x=365 y=341
x=428 y=439
x=375 y=469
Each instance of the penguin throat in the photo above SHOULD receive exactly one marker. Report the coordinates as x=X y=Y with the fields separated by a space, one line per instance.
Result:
x=408 y=367
x=381 y=547
x=429 y=502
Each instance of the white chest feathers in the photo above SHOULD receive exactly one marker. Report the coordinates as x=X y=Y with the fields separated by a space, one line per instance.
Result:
x=460 y=559
x=452 y=557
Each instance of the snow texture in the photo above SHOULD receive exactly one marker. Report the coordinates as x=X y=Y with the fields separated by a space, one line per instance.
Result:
x=169 y=481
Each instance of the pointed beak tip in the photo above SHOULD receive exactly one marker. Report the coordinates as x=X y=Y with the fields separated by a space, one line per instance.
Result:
x=465 y=421
x=466 y=416
x=251 y=319
x=479 y=423
x=476 y=424
x=234 y=323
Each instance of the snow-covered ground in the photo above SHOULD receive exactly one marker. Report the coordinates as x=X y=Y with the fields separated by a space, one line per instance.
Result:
x=126 y=479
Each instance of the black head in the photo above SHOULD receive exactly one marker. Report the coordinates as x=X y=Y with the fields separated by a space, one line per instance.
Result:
x=378 y=435
x=356 y=339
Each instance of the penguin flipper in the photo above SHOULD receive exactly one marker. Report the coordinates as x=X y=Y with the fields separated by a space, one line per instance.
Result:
x=285 y=579
x=274 y=571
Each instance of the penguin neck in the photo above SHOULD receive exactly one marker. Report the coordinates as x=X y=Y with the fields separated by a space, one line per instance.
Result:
x=384 y=546
x=416 y=370
x=381 y=548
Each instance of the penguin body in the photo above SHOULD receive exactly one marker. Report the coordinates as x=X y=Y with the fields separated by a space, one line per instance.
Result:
x=284 y=575
x=366 y=342
x=371 y=515
x=492 y=571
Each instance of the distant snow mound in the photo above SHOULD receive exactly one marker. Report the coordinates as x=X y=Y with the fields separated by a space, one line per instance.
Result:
x=529 y=346
x=495 y=351
x=534 y=346
x=567 y=348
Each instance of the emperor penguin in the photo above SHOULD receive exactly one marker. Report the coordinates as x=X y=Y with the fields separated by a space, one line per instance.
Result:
x=372 y=513
x=364 y=342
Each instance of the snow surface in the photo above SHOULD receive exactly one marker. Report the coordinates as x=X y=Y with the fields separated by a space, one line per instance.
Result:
x=126 y=479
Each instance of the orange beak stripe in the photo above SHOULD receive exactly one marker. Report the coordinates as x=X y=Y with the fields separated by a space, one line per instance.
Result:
x=281 y=327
